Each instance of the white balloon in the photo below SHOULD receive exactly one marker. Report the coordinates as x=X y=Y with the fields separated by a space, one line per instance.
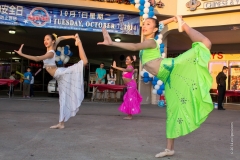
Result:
x=147 y=5
x=137 y=5
x=159 y=82
x=159 y=41
x=146 y=0
x=144 y=70
x=156 y=87
x=154 y=91
x=145 y=16
x=62 y=57
x=137 y=1
x=163 y=93
x=160 y=36
x=69 y=52
x=66 y=59
x=59 y=49
x=146 y=10
x=57 y=58
x=154 y=17
x=141 y=73
x=150 y=75
x=163 y=55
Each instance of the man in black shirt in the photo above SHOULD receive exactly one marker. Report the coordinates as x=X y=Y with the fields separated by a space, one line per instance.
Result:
x=221 y=86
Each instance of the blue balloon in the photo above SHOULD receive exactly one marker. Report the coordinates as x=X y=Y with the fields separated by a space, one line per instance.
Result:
x=58 y=53
x=70 y=55
x=145 y=80
x=150 y=13
x=65 y=52
x=145 y=74
x=132 y=2
x=155 y=79
x=60 y=62
x=142 y=2
x=156 y=37
x=141 y=7
x=162 y=45
x=162 y=87
x=161 y=50
x=154 y=83
x=159 y=92
x=150 y=79
x=141 y=13
x=151 y=8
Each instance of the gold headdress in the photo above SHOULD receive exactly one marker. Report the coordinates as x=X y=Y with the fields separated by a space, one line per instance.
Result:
x=54 y=35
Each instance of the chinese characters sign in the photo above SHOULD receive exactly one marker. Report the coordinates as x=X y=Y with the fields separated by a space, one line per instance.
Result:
x=69 y=19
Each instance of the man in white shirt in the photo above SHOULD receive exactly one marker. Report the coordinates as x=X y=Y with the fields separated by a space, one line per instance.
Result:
x=11 y=87
x=31 y=87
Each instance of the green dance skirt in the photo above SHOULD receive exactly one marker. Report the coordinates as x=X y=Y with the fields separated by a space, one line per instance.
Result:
x=187 y=85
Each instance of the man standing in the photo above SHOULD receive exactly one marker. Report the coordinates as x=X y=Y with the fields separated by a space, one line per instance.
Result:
x=221 y=86
x=100 y=75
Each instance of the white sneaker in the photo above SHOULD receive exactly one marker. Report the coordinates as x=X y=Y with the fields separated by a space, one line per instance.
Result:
x=167 y=152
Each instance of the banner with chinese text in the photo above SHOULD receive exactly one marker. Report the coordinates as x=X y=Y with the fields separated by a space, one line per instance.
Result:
x=69 y=19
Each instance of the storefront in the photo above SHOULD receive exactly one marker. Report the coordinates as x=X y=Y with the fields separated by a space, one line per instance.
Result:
x=41 y=20
x=216 y=19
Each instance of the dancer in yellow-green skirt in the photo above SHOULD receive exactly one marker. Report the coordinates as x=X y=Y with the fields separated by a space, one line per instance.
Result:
x=186 y=78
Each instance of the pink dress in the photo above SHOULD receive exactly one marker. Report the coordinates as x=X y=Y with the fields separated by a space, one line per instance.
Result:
x=132 y=98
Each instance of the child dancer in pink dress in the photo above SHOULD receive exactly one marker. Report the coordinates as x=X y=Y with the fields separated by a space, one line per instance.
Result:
x=132 y=99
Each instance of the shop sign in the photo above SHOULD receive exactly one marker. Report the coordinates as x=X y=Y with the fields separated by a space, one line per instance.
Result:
x=69 y=19
x=220 y=3
x=222 y=56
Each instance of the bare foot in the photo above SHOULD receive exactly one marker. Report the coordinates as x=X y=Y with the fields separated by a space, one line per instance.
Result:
x=58 y=126
x=180 y=23
x=127 y=118
x=77 y=39
x=175 y=19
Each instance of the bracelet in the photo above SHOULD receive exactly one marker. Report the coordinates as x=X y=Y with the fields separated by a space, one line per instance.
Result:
x=161 y=26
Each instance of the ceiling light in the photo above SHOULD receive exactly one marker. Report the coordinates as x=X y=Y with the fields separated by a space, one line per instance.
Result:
x=12 y=31
x=117 y=39
x=10 y=52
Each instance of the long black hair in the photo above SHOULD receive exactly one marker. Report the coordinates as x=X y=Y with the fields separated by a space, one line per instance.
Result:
x=52 y=37
x=156 y=25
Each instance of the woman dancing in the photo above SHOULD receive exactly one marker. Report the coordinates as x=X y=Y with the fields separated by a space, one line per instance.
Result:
x=70 y=80
x=186 y=78
x=132 y=99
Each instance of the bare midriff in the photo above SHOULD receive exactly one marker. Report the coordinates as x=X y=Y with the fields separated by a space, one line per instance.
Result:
x=126 y=80
x=153 y=66
x=51 y=70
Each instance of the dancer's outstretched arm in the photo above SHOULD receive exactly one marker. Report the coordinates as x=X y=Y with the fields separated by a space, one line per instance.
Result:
x=34 y=58
x=128 y=46
x=81 y=51
x=169 y=20
x=121 y=69
x=59 y=39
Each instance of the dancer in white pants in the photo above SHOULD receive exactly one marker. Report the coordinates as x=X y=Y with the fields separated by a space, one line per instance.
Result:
x=70 y=80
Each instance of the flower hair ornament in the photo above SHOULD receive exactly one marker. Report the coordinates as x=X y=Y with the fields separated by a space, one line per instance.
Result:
x=161 y=26
x=134 y=58
x=54 y=35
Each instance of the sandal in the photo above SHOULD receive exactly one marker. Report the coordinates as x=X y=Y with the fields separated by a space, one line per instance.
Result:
x=127 y=118
x=57 y=127
x=180 y=23
x=167 y=152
